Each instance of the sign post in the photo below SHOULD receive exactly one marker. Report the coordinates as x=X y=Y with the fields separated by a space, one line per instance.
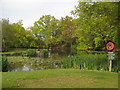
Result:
x=110 y=46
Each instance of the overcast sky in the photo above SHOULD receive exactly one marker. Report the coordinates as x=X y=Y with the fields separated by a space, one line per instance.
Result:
x=31 y=10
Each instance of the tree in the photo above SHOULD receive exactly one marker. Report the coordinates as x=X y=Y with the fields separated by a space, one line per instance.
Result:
x=97 y=23
x=20 y=35
x=68 y=31
x=7 y=35
x=13 y=35
x=29 y=39
x=45 y=30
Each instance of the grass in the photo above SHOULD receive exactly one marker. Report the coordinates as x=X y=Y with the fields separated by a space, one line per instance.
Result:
x=60 y=78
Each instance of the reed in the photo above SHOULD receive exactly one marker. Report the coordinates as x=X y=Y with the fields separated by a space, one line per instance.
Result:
x=89 y=62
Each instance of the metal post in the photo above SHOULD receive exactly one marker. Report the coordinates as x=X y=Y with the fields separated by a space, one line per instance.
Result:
x=110 y=46
x=110 y=65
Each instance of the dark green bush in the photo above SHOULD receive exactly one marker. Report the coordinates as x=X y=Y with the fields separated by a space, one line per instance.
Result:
x=4 y=61
x=29 y=53
x=90 y=62
x=44 y=53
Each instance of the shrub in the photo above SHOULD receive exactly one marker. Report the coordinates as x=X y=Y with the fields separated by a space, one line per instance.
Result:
x=90 y=61
x=44 y=53
x=29 y=53
x=4 y=63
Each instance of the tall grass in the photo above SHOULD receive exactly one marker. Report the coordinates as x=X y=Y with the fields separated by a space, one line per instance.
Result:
x=89 y=62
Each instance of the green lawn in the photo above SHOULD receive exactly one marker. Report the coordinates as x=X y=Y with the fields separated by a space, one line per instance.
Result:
x=60 y=78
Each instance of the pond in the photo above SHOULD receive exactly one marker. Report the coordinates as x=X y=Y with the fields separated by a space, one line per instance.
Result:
x=19 y=63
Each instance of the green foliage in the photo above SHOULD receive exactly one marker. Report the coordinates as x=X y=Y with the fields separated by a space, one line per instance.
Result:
x=97 y=41
x=81 y=46
x=68 y=31
x=94 y=25
x=97 y=23
x=4 y=63
x=90 y=62
x=45 y=30
x=82 y=52
x=29 y=53
x=14 y=35
x=7 y=34
x=44 y=53
x=116 y=63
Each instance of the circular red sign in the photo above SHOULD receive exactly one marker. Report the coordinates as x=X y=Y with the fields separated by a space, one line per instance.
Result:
x=110 y=46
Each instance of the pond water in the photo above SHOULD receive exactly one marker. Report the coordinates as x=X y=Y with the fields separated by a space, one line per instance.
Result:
x=19 y=63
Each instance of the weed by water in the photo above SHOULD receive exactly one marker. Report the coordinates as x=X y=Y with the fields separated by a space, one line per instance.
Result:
x=89 y=62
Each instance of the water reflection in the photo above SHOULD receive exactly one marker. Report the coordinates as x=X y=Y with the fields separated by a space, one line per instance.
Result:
x=34 y=63
x=25 y=68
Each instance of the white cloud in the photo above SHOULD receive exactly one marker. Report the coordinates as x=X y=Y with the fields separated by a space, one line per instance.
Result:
x=31 y=10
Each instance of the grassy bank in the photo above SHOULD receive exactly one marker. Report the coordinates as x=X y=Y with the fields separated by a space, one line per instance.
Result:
x=14 y=51
x=60 y=78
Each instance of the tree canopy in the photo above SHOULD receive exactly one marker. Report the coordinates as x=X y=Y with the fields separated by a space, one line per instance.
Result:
x=97 y=23
x=92 y=26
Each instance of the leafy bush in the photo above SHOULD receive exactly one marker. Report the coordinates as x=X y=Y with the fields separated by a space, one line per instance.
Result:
x=44 y=53
x=4 y=61
x=90 y=62
x=29 y=53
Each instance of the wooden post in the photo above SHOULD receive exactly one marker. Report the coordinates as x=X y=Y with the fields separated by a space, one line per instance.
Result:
x=110 y=65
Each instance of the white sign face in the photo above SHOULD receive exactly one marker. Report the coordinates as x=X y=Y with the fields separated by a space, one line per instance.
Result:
x=110 y=55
